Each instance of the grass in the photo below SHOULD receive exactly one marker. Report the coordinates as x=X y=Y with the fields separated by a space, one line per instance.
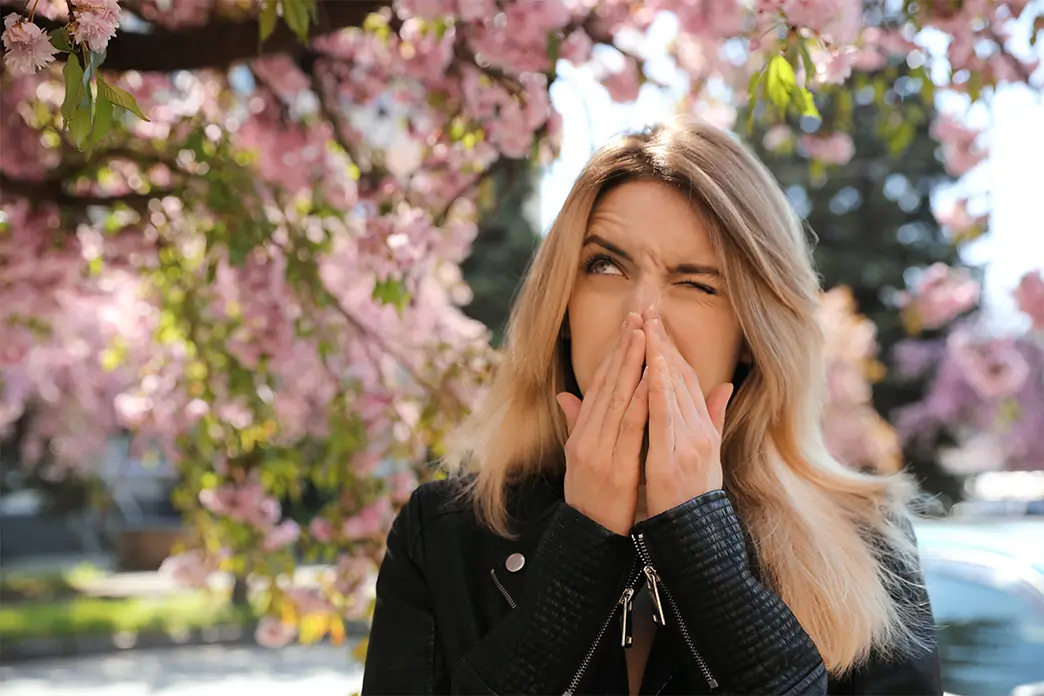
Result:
x=20 y=586
x=78 y=616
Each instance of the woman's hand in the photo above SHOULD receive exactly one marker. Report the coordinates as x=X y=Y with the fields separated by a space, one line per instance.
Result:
x=684 y=459
x=605 y=434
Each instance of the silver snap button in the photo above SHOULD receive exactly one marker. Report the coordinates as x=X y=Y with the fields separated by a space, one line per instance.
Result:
x=515 y=562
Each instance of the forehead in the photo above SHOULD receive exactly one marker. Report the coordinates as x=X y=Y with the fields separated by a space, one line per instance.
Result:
x=652 y=217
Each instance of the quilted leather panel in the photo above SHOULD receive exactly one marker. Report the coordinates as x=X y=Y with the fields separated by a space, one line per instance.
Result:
x=743 y=630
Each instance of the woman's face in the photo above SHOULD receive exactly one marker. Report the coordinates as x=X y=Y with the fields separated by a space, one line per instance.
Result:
x=646 y=246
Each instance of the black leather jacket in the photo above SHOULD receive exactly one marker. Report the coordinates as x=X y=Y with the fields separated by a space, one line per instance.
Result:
x=453 y=615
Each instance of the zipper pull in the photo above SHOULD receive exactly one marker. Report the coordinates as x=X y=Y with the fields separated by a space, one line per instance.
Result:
x=627 y=601
x=654 y=591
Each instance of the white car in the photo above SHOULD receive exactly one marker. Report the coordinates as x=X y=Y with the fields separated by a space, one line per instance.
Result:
x=985 y=580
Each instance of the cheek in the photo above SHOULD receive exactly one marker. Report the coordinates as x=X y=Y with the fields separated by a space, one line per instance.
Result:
x=711 y=346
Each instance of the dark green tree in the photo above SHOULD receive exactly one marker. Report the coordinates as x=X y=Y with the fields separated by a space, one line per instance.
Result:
x=872 y=218
x=508 y=236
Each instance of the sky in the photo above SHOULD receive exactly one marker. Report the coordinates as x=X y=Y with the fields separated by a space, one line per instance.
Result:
x=1013 y=172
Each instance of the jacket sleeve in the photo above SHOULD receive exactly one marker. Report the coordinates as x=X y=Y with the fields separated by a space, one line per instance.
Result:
x=402 y=656
x=749 y=639
x=578 y=574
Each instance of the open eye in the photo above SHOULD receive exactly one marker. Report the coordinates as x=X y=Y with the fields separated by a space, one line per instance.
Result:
x=601 y=264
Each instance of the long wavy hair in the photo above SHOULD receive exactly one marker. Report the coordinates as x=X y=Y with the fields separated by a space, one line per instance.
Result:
x=812 y=520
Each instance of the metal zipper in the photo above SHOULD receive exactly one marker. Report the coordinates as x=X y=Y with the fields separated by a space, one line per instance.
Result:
x=625 y=602
x=500 y=586
x=656 y=586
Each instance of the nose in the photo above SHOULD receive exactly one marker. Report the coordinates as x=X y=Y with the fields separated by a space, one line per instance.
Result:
x=643 y=295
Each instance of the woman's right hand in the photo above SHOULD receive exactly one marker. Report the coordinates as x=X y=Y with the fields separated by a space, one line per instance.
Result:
x=605 y=434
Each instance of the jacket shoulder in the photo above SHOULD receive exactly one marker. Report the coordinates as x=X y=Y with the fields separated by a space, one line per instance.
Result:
x=431 y=506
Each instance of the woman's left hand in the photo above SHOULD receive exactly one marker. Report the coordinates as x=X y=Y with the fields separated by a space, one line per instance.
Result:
x=685 y=430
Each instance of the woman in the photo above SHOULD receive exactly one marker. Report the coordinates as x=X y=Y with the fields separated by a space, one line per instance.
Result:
x=646 y=504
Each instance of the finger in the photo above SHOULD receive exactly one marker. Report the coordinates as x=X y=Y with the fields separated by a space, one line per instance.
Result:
x=602 y=373
x=607 y=392
x=717 y=403
x=626 y=383
x=632 y=428
x=662 y=407
x=570 y=406
x=687 y=388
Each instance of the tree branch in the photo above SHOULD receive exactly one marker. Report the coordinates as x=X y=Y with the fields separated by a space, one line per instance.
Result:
x=52 y=191
x=220 y=42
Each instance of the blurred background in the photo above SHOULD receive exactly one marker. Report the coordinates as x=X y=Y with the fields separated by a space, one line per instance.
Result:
x=256 y=258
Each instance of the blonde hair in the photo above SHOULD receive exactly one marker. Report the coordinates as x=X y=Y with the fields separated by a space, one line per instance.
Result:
x=812 y=520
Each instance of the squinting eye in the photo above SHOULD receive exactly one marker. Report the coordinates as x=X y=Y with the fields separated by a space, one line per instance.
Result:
x=700 y=286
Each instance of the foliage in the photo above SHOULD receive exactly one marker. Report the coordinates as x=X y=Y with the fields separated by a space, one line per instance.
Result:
x=262 y=281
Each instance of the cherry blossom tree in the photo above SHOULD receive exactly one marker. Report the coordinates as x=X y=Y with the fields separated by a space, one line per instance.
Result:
x=234 y=228
x=986 y=390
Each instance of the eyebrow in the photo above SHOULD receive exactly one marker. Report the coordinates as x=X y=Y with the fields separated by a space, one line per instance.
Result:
x=680 y=269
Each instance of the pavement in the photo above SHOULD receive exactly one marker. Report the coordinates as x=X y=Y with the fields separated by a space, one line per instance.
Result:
x=213 y=670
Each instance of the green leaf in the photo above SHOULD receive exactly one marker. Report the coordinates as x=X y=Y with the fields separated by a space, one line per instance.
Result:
x=780 y=83
x=902 y=137
x=269 y=16
x=752 y=93
x=60 y=40
x=806 y=57
x=391 y=291
x=94 y=61
x=975 y=86
x=120 y=98
x=74 y=90
x=805 y=102
x=103 y=113
x=80 y=123
x=297 y=15
x=554 y=44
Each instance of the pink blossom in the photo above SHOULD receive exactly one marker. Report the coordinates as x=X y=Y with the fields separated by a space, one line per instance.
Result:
x=777 y=137
x=961 y=150
x=189 y=568
x=1029 y=297
x=369 y=522
x=247 y=503
x=834 y=67
x=321 y=529
x=401 y=485
x=308 y=600
x=836 y=148
x=836 y=21
x=993 y=368
x=576 y=48
x=959 y=220
x=28 y=47
x=95 y=22
x=624 y=84
x=942 y=295
x=282 y=535
x=273 y=633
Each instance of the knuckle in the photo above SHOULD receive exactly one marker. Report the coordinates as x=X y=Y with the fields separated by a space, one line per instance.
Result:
x=617 y=401
x=572 y=450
